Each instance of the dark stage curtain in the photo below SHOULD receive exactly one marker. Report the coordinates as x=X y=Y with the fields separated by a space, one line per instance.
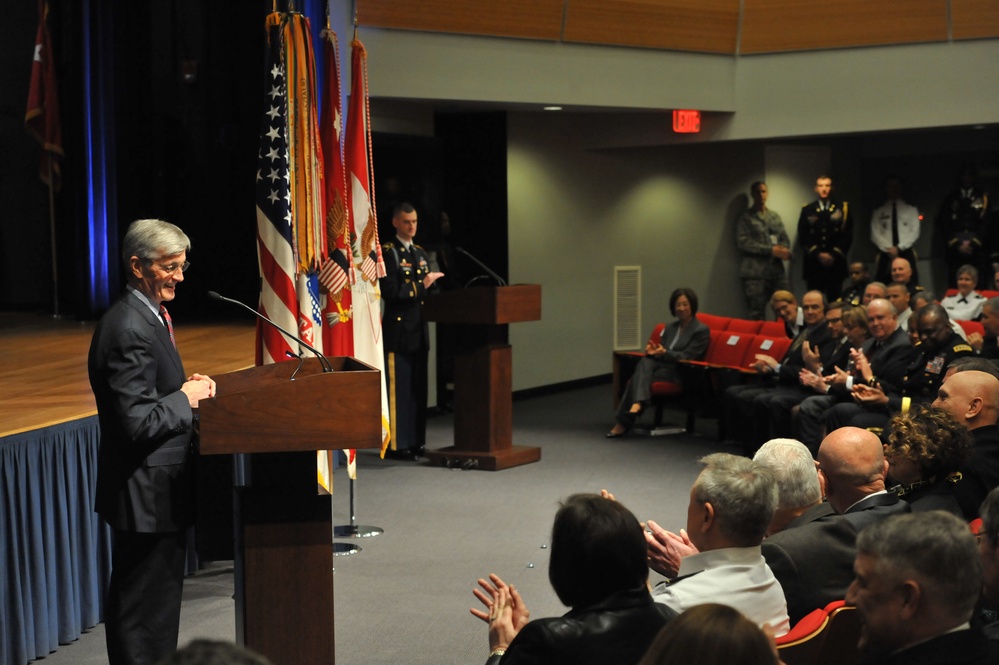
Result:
x=54 y=549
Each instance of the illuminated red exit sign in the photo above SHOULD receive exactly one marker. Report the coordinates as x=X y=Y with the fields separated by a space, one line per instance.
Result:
x=686 y=122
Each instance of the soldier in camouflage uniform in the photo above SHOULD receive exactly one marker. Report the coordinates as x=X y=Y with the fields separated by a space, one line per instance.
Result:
x=764 y=244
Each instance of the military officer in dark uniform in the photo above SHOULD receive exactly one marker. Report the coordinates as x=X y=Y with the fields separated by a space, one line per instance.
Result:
x=853 y=291
x=876 y=402
x=406 y=338
x=962 y=217
x=825 y=232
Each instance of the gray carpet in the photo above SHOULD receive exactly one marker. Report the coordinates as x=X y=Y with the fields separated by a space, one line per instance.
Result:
x=405 y=597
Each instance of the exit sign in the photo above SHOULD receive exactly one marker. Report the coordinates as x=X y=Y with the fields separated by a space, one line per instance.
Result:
x=686 y=122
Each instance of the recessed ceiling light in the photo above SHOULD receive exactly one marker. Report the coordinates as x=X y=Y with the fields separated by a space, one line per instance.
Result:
x=553 y=108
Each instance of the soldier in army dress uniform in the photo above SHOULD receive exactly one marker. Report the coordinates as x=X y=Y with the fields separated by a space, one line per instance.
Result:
x=406 y=338
x=825 y=232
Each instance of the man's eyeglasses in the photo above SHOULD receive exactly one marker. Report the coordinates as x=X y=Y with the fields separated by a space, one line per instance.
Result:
x=172 y=267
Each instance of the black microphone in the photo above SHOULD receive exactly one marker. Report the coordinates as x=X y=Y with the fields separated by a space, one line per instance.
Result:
x=499 y=280
x=323 y=360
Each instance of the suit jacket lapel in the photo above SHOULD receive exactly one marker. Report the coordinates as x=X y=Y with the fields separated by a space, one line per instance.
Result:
x=159 y=329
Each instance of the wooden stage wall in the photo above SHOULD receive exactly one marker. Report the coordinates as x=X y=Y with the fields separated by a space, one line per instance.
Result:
x=43 y=365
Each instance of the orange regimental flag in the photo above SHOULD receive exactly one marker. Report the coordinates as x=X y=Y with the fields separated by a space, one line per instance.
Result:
x=337 y=273
x=275 y=233
x=304 y=150
x=368 y=346
x=42 y=115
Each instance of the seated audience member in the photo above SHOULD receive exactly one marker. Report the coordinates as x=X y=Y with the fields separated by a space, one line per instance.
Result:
x=874 y=290
x=925 y=449
x=972 y=397
x=214 y=652
x=684 y=339
x=987 y=346
x=884 y=358
x=731 y=505
x=745 y=407
x=901 y=273
x=852 y=469
x=920 y=300
x=785 y=307
x=875 y=401
x=712 y=634
x=988 y=550
x=966 y=304
x=853 y=291
x=819 y=362
x=917 y=578
x=598 y=568
x=899 y=297
x=809 y=547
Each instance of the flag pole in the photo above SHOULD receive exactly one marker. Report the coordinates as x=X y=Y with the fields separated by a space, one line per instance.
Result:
x=342 y=549
x=52 y=231
x=352 y=530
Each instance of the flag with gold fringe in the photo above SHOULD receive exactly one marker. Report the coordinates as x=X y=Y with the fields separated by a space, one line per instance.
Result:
x=367 y=256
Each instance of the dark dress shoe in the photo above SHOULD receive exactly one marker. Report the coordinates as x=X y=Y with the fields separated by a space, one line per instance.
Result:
x=405 y=455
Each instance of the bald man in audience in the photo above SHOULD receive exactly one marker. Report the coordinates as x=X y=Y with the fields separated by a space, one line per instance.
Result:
x=972 y=397
x=901 y=273
x=917 y=578
x=809 y=547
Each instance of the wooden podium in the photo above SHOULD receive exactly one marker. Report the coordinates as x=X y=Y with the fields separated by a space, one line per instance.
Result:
x=483 y=385
x=284 y=531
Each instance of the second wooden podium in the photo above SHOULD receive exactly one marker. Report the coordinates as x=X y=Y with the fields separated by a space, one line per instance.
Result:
x=483 y=380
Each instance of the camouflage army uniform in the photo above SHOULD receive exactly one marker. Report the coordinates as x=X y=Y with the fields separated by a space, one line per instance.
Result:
x=760 y=271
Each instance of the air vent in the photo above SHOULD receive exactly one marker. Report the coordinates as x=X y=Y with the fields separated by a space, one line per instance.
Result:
x=627 y=308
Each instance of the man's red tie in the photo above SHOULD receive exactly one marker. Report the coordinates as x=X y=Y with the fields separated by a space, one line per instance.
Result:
x=169 y=323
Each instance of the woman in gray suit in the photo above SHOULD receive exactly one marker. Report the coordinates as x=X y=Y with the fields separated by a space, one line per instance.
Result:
x=684 y=339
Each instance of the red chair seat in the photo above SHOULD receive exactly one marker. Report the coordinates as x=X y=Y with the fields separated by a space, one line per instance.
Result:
x=666 y=389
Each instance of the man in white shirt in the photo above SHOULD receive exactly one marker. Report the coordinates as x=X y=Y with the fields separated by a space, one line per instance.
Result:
x=894 y=230
x=731 y=505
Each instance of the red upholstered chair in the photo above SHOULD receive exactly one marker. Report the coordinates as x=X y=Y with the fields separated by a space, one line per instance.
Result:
x=989 y=294
x=950 y=292
x=972 y=327
x=744 y=326
x=773 y=329
x=713 y=321
x=774 y=347
x=825 y=636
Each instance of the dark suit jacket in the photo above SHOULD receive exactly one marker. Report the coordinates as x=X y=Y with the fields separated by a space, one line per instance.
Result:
x=812 y=558
x=145 y=474
x=891 y=360
x=980 y=472
x=793 y=362
x=874 y=508
x=965 y=647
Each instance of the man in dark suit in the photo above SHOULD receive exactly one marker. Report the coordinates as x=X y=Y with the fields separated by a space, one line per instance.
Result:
x=825 y=231
x=407 y=340
x=972 y=397
x=145 y=476
x=885 y=356
x=812 y=554
x=917 y=579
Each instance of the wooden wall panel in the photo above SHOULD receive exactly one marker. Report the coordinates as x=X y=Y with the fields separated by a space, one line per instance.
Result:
x=974 y=19
x=793 y=25
x=708 y=26
x=531 y=19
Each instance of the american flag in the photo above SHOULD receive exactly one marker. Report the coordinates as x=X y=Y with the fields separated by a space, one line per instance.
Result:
x=275 y=238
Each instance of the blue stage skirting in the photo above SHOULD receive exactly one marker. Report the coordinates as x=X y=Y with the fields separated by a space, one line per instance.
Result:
x=55 y=552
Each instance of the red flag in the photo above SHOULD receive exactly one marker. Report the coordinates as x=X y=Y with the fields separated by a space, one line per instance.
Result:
x=368 y=345
x=42 y=116
x=337 y=273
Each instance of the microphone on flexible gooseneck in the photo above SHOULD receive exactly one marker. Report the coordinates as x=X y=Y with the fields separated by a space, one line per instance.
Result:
x=323 y=360
x=499 y=280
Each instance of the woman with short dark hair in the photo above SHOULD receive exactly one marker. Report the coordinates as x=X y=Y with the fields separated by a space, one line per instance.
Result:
x=684 y=339
x=599 y=568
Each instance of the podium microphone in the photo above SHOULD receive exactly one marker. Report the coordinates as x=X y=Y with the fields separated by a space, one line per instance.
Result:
x=499 y=280
x=323 y=360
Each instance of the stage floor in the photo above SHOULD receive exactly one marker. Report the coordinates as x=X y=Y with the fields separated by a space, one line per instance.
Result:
x=43 y=365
